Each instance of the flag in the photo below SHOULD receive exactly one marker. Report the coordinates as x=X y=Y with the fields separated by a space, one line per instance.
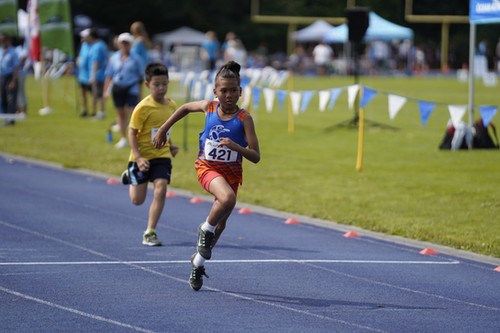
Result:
x=281 y=94
x=8 y=17
x=256 y=98
x=34 y=31
x=333 y=98
x=487 y=113
x=324 y=97
x=352 y=92
x=295 y=98
x=368 y=95
x=426 y=109
x=246 y=97
x=55 y=25
x=395 y=104
x=306 y=99
x=456 y=113
x=269 y=98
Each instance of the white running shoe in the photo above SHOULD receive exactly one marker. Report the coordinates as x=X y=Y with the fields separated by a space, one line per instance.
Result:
x=122 y=143
x=100 y=115
x=115 y=128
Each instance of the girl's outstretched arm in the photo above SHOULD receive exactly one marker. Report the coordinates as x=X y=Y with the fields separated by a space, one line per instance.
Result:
x=161 y=137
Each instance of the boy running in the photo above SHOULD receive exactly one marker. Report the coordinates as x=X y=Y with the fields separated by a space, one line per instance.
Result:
x=146 y=163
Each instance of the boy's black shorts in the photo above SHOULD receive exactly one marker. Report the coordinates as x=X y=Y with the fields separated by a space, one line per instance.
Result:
x=158 y=168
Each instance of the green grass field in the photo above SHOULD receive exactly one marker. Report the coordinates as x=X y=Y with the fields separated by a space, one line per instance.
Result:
x=407 y=187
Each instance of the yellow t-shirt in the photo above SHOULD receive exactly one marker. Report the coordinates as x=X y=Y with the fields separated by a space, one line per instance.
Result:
x=146 y=118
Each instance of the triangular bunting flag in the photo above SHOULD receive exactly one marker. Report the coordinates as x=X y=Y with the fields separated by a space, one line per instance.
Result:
x=352 y=92
x=295 y=97
x=324 y=97
x=333 y=98
x=247 y=95
x=281 y=97
x=244 y=81
x=188 y=79
x=395 y=104
x=307 y=96
x=456 y=113
x=256 y=98
x=426 y=109
x=368 y=95
x=269 y=98
x=209 y=91
x=487 y=113
x=196 y=91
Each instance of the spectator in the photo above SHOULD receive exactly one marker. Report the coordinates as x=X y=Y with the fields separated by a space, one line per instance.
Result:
x=24 y=65
x=381 y=53
x=98 y=57
x=9 y=67
x=140 y=46
x=236 y=52
x=82 y=63
x=322 y=55
x=124 y=73
x=141 y=43
x=229 y=36
x=157 y=54
x=210 y=48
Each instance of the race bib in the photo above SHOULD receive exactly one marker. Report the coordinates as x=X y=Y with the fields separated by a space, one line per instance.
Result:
x=155 y=130
x=220 y=154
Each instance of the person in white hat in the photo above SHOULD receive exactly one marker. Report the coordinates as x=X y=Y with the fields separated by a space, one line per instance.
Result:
x=124 y=72
x=83 y=66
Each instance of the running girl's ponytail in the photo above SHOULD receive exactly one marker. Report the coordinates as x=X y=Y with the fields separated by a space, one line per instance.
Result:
x=230 y=70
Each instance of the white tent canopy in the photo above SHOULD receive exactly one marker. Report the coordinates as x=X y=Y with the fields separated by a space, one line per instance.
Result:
x=378 y=29
x=313 y=33
x=180 y=36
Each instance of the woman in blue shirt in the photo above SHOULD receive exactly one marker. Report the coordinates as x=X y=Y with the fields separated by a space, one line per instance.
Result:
x=124 y=72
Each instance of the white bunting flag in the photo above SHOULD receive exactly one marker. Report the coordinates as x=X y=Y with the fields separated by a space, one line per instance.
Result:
x=269 y=98
x=352 y=92
x=196 y=92
x=456 y=113
x=324 y=97
x=395 y=104
x=246 y=96
x=295 y=98
x=188 y=78
x=209 y=91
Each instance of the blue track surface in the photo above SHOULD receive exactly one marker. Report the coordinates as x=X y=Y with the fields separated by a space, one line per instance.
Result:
x=71 y=259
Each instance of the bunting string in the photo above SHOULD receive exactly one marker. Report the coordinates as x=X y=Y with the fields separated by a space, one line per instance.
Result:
x=266 y=83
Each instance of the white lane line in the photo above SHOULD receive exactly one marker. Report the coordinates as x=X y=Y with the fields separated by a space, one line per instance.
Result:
x=74 y=311
x=244 y=261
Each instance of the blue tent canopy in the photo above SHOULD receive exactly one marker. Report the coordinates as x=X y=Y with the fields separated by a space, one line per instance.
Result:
x=314 y=32
x=378 y=29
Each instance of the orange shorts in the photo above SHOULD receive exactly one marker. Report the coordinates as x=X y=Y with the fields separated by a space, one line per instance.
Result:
x=209 y=175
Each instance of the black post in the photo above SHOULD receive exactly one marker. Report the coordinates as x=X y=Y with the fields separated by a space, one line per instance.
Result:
x=358 y=23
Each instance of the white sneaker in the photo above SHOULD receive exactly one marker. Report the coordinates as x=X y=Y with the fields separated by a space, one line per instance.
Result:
x=122 y=143
x=115 y=128
x=44 y=111
x=100 y=115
